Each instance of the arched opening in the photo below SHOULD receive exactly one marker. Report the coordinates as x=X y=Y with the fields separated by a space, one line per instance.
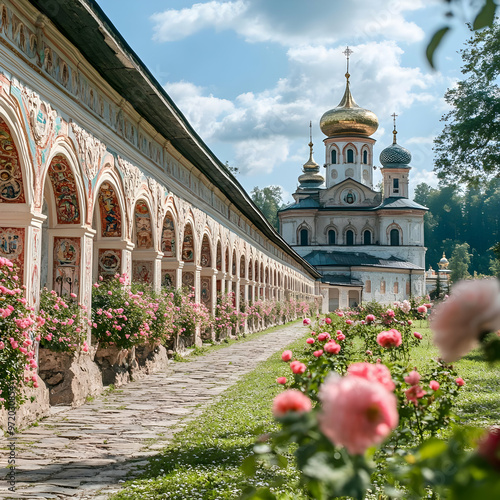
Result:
x=226 y=261
x=331 y=237
x=218 y=259
x=242 y=266
x=233 y=264
x=142 y=269
x=250 y=270
x=187 y=254
x=394 y=237
x=365 y=157
x=349 y=237
x=367 y=237
x=350 y=156
x=11 y=177
x=168 y=236
x=353 y=298
x=334 y=156
x=304 y=237
x=206 y=253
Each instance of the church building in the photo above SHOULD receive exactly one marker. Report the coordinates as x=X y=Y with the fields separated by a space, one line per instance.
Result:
x=367 y=245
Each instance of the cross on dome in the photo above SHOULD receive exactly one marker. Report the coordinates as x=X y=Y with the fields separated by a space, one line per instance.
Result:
x=347 y=52
x=394 y=132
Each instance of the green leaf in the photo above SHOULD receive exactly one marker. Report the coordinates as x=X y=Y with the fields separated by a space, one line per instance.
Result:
x=434 y=43
x=249 y=466
x=432 y=448
x=486 y=16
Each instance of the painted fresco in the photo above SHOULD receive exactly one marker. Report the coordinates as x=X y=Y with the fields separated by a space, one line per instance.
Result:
x=233 y=267
x=168 y=278
x=12 y=247
x=206 y=256
x=67 y=256
x=144 y=237
x=168 y=237
x=219 y=257
x=227 y=261
x=142 y=270
x=109 y=262
x=250 y=269
x=65 y=193
x=242 y=267
x=206 y=284
x=188 y=279
x=11 y=177
x=111 y=219
x=188 y=244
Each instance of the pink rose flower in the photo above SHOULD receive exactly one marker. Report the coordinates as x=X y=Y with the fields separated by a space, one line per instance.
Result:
x=340 y=336
x=410 y=322
x=318 y=353
x=349 y=322
x=422 y=309
x=460 y=381
x=291 y=400
x=340 y=314
x=489 y=447
x=310 y=340
x=323 y=336
x=434 y=385
x=356 y=413
x=472 y=309
x=373 y=373
x=417 y=335
x=390 y=313
x=332 y=347
x=281 y=380
x=369 y=353
x=414 y=393
x=391 y=338
x=370 y=318
x=286 y=355
x=297 y=367
x=413 y=378
x=328 y=321
x=306 y=322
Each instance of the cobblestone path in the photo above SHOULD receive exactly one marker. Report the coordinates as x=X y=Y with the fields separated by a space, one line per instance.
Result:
x=87 y=452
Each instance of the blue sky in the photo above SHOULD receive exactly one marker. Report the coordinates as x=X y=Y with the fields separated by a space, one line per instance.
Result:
x=250 y=74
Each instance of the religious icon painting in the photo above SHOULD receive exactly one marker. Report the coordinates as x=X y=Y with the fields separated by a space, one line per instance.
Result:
x=11 y=178
x=67 y=257
x=188 y=244
x=205 y=291
x=206 y=258
x=144 y=235
x=168 y=278
x=188 y=279
x=142 y=271
x=65 y=192
x=12 y=247
x=168 y=237
x=109 y=262
x=111 y=220
x=218 y=259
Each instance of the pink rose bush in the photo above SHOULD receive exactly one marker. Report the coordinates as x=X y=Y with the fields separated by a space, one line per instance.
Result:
x=291 y=401
x=391 y=338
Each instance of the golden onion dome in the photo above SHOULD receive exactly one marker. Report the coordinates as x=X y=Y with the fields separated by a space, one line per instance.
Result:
x=348 y=118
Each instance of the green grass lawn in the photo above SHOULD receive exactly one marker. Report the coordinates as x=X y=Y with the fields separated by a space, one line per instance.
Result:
x=203 y=461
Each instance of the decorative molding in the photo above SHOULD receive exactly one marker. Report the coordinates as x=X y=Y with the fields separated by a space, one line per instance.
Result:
x=42 y=116
x=91 y=150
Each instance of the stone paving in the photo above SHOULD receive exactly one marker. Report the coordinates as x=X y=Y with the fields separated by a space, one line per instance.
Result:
x=87 y=452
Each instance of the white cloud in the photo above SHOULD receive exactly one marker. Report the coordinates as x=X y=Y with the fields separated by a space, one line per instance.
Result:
x=295 y=22
x=421 y=140
x=255 y=123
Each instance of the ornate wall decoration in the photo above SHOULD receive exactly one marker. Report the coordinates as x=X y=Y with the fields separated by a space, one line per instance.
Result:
x=12 y=247
x=168 y=236
x=206 y=255
x=188 y=244
x=132 y=180
x=226 y=261
x=242 y=266
x=65 y=192
x=35 y=272
x=168 y=278
x=218 y=259
x=142 y=270
x=206 y=284
x=11 y=177
x=42 y=116
x=67 y=258
x=109 y=208
x=233 y=266
x=109 y=262
x=143 y=226
x=250 y=269
x=188 y=279
x=91 y=150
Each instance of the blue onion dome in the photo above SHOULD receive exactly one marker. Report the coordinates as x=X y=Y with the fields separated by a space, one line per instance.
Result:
x=395 y=155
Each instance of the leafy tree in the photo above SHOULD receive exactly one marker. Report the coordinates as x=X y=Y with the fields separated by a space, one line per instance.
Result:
x=467 y=151
x=269 y=200
x=459 y=262
x=230 y=168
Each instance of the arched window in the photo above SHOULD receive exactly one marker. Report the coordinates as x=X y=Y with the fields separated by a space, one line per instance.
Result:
x=349 y=238
x=395 y=185
x=365 y=157
x=367 y=237
x=394 y=237
x=331 y=237
x=350 y=156
x=334 y=156
x=304 y=237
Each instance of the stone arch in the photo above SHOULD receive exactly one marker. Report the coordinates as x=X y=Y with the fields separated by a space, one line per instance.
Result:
x=390 y=232
x=348 y=146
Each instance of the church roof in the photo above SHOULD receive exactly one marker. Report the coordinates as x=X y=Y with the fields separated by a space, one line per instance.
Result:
x=342 y=280
x=303 y=203
x=393 y=202
x=319 y=258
